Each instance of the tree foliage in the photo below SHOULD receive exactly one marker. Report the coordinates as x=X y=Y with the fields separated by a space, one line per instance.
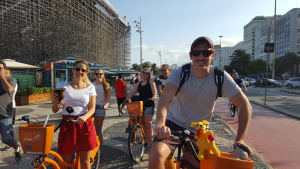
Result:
x=136 y=67
x=153 y=67
x=239 y=61
x=286 y=64
x=257 y=66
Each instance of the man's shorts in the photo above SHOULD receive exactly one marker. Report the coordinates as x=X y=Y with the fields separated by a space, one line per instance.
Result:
x=6 y=130
x=75 y=137
x=187 y=160
x=121 y=100
x=99 y=111
x=148 y=111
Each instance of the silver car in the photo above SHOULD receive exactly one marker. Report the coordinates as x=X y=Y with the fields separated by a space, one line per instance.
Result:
x=292 y=83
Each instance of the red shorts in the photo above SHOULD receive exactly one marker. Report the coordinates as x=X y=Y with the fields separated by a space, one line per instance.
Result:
x=75 y=137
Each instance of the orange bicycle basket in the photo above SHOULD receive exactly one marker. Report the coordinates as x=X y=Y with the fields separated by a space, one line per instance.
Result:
x=135 y=108
x=224 y=162
x=36 y=139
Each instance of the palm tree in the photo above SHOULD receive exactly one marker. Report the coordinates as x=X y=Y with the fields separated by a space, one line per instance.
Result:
x=239 y=61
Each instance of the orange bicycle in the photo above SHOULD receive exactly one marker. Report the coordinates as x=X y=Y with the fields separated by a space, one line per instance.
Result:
x=210 y=162
x=36 y=139
x=136 y=137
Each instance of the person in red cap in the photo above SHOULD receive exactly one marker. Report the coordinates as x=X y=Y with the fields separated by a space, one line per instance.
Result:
x=194 y=102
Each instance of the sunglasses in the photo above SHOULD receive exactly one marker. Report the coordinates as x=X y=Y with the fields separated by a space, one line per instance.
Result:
x=146 y=73
x=164 y=70
x=98 y=74
x=78 y=70
x=205 y=53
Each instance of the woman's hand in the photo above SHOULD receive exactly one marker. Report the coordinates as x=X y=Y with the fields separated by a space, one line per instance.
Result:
x=105 y=107
x=55 y=98
x=154 y=98
x=82 y=119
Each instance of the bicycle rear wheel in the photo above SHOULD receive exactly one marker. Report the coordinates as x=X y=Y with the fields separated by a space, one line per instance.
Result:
x=136 y=141
x=96 y=163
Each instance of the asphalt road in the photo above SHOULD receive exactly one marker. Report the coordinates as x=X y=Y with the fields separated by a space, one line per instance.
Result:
x=276 y=98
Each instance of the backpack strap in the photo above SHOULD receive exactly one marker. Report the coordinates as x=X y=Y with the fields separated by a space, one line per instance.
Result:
x=185 y=74
x=219 y=80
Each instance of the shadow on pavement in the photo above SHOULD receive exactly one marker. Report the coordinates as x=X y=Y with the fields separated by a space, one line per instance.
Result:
x=115 y=158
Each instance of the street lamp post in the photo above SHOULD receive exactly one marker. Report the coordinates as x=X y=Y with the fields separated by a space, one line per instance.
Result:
x=220 y=59
x=138 y=25
x=274 y=56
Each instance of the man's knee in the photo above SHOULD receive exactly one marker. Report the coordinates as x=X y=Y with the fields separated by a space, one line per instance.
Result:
x=159 y=151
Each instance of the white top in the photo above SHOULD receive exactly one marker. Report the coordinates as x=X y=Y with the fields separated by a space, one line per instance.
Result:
x=13 y=96
x=196 y=99
x=100 y=99
x=78 y=99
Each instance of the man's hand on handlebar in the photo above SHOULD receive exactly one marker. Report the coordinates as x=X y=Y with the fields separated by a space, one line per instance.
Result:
x=162 y=132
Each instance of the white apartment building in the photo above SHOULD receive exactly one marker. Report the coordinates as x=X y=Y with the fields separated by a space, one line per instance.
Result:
x=287 y=33
x=224 y=58
x=252 y=36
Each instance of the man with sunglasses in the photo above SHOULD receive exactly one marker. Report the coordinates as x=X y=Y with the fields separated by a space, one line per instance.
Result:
x=194 y=102
x=162 y=79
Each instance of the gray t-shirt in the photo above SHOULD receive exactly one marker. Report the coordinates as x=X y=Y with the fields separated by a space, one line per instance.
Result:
x=196 y=99
x=6 y=106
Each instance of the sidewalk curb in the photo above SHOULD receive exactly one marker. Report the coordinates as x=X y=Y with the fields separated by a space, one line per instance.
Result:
x=255 y=152
x=293 y=92
x=278 y=110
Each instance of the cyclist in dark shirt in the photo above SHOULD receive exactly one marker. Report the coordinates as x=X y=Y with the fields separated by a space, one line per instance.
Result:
x=238 y=81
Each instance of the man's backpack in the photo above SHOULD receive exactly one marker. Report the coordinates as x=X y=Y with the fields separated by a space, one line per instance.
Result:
x=186 y=71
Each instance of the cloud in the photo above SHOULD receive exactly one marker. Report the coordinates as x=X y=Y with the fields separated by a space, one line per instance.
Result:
x=178 y=55
x=228 y=41
x=175 y=55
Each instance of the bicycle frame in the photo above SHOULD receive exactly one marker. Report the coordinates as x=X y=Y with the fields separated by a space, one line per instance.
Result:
x=41 y=160
x=171 y=163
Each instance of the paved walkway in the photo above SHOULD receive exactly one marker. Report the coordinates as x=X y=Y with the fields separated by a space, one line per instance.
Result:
x=115 y=139
x=275 y=136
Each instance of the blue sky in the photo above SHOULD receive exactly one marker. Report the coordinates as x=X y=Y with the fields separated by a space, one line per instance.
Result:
x=172 y=25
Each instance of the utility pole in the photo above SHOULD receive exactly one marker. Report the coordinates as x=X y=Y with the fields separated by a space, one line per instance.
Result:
x=138 y=25
x=274 y=56
x=220 y=59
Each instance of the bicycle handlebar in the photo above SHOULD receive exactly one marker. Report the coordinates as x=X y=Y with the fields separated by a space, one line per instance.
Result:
x=184 y=137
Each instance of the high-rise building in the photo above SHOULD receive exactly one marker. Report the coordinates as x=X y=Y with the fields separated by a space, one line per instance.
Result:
x=252 y=36
x=287 y=33
x=224 y=53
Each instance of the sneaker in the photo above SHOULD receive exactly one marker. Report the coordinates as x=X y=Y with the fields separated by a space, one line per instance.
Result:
x=18 y=154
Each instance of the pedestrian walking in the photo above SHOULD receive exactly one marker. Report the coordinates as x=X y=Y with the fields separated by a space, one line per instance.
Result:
x=102 y=101
x=121 y=92
x=7 y=87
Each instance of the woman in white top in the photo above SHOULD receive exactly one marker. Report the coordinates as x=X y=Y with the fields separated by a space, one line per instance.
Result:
x=102 y=101
x=77 y=137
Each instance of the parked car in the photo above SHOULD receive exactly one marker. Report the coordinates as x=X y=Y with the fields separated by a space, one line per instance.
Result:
x=269 y=82
x=292 y=83
x=250 y=80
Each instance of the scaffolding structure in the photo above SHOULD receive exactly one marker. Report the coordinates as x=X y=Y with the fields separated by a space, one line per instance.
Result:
x=32 y=31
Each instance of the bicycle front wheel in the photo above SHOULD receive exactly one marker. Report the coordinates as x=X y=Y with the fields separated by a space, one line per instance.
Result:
x=136 y=141
x=95 y=164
